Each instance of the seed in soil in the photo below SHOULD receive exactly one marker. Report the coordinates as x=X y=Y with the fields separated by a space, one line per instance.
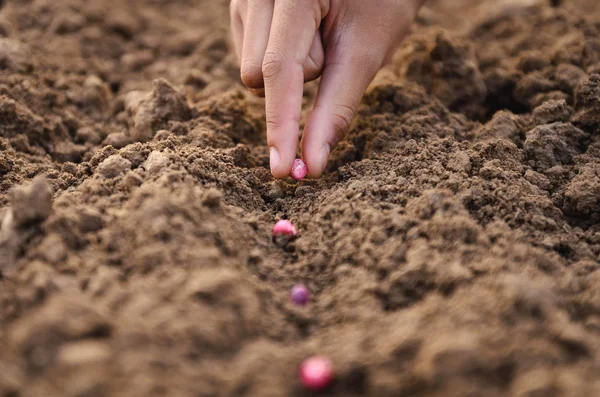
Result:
x=300 y=295
x=299 y=170
x=316 y=373
x=284 y=228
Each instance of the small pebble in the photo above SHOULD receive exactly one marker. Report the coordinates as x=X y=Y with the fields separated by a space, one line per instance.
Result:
x=300 y=295
x=285 y=228
x=299 y=170
x=316 y=373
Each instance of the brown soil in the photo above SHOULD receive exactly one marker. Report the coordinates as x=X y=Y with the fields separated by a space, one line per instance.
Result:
x=452 y=248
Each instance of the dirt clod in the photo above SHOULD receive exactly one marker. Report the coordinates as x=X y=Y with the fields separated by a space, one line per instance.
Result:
x=31 y=203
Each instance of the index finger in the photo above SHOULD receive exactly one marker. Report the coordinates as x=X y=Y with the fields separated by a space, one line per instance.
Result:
x=295 y=23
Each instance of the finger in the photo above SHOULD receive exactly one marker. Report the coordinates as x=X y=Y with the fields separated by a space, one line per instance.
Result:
x=340 y=92
x=237 y=31
x=355 y=52
x=256 y=37
x=313 y=66
x=259 y=92
x=255 y=45
x=290 y=40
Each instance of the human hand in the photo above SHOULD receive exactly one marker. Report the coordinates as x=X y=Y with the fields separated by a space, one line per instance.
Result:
x=283 y=43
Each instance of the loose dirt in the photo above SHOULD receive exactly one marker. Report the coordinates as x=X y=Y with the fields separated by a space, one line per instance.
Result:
x=451 y=249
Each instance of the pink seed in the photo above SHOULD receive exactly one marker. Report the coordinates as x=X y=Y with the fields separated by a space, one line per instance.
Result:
x=316 y=372
x=285 y=228
x=299 y=170
x=300 y=295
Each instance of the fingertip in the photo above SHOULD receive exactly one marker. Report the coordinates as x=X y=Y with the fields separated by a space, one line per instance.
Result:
x=316 y=160
x=325 y=152
x=279 y=163
x=315 y=149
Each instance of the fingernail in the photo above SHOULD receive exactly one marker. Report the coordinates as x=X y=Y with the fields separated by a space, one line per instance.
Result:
x=275 y=160
x=324 y=156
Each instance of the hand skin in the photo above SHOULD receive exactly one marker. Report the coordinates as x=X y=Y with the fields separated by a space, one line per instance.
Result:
x=283 y=43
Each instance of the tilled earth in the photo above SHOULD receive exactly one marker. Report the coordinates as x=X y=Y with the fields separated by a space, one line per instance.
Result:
x=452 y=247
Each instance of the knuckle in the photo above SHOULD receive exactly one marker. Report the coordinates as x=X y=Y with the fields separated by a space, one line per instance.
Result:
x=250 y=75
x=272 y=65
x=271 y=124
x=342 y=120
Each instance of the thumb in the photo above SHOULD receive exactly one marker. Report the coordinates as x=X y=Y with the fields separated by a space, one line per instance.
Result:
x=340 y=92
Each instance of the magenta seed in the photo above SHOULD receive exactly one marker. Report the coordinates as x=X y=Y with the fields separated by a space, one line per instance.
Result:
x=300 y=295
x=299 y=170
x=285 y=228
x=316 y=372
